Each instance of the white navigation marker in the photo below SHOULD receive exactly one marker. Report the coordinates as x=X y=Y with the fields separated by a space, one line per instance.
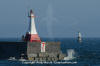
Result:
x=79 y=37
x=43 y=46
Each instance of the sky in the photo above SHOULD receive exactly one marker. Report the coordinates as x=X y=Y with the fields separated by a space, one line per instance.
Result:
x=54 y=18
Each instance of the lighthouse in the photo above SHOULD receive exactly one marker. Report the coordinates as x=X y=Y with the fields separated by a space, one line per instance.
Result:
x=32 y=35
x=79 y=37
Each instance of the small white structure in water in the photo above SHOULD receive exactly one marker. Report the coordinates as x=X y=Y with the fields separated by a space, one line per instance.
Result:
x=79 y=37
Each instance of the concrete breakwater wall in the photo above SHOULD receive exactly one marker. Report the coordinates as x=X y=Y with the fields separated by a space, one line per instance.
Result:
x=52 y=52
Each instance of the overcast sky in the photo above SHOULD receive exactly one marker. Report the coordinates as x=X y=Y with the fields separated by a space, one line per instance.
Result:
x=54 y=18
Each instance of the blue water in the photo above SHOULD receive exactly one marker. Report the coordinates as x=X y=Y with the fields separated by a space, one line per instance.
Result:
x=86 y=53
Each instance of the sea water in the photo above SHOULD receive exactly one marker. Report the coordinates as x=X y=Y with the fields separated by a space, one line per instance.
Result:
x=86 y=53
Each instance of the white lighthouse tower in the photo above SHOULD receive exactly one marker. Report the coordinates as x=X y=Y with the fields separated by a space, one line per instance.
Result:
x=32 y=34
x=79 y=37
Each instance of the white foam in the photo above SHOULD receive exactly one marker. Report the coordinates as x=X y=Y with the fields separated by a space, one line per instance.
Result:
x=70 y=54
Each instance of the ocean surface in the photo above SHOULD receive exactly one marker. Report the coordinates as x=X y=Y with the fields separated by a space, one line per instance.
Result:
x=86 y=53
